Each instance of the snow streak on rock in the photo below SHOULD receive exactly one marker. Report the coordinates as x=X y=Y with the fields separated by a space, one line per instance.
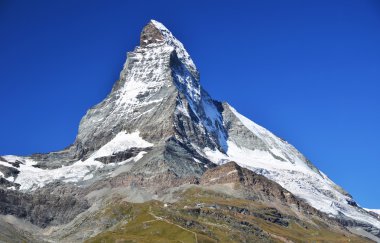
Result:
x=281 y=162
x=31 y=177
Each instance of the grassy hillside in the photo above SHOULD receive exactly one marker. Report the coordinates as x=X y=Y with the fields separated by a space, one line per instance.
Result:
x=207 y=216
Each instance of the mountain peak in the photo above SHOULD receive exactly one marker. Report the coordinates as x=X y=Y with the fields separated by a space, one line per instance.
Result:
x=156 y=34
x=153 y=32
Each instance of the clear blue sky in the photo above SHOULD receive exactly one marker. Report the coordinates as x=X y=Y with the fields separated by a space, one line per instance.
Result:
x=307 y=70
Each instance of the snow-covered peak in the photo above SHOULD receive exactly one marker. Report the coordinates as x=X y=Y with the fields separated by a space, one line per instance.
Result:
x=152 y=76
x=156 y=34
x=159 y=26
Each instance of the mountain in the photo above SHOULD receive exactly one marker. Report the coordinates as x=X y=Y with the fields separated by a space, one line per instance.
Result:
x=158 y=151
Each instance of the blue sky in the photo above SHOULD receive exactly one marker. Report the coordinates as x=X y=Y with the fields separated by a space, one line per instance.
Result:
x=309 y=71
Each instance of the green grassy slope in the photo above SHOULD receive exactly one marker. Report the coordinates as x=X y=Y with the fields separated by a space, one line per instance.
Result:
x=207 y=216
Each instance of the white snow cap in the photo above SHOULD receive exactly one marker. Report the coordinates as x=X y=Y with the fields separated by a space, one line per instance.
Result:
x=159 y=25
x=169 y=39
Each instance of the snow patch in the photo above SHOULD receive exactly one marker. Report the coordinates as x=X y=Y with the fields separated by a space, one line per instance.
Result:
x=31 y=177
x=232 y=172
x=139 y=156
x=88 y=177
x=5 y=164
x=121 y=142
x=294 y=174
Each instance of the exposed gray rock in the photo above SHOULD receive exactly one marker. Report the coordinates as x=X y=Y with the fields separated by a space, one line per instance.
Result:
x=121 y=156
x=8 y=171
x=7 y=184
x=55 y=160
x=11 y=232
x=41 y=207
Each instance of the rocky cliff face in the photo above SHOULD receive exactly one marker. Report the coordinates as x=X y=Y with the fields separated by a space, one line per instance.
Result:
x=159 y=129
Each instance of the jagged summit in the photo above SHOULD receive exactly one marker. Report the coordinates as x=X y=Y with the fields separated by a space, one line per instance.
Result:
x=158 y=87
x=153 y=32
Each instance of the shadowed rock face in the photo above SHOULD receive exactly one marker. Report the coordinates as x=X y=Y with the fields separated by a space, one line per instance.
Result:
x=8 y=171
x=4 y=184
x=42 y=207
x=121 y=156
x=150 y=34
